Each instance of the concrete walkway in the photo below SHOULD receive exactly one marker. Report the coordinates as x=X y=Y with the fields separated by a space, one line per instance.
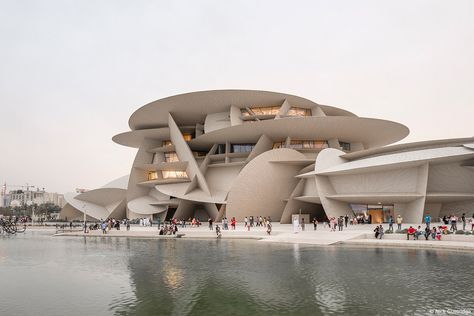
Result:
x=357 y=235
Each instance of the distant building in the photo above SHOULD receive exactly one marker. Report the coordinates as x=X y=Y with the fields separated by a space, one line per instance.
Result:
x=29 y=197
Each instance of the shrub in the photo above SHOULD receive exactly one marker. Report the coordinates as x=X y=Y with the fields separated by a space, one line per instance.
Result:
x=459 y=232
x=388 y=232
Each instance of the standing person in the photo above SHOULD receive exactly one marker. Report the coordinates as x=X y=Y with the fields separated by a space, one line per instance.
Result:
x=159 y=222
x=399 y=222
x=85 y=227
x=246 y=221
x=340 y=224
x=472 y=222
x=70 y=225
x=453 y=223
x=302 y=224
x=128 y=224
x=210 y=224
x=232 y=223
x=428 y=220
x=346 y=220
x=390 y=223
x=295 y=225
x=315 y=223
x=463 y=218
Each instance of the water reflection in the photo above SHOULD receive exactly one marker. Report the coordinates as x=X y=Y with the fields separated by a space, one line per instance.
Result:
x=182 y=277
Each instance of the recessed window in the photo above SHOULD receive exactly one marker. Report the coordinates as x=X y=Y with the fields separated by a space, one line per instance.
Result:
x=242 y=148
x=295 y=111
x=187 y=136
x=345 y=146
x=152 y=175
x=171 y=156
x=261 y=110
x=303 y=144
x=173 y=174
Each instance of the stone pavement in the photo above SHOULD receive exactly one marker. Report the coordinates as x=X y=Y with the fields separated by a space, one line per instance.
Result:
x=356 y=235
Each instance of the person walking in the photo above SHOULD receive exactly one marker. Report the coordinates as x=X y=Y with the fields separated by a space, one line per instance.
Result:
x=399 y=222
x=302 y=224
x=463 y=219
x=346 y=220
x=315 y=223
x=246 y=221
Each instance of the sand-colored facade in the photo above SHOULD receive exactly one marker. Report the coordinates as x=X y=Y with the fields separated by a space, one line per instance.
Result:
x=238 y=153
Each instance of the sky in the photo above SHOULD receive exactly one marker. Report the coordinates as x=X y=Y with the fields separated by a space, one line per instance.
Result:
x=72 y=72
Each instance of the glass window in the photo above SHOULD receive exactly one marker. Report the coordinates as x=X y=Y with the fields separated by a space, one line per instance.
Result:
x=242 y=148
x=261 y=110
x=278 y=145
x=199 y=153
x=345 y=146
x=152 y=175
x=171 y=156
x=220 y=149
x=166 y=143
x=294 y=111
x=187 y=136
x=173 y=174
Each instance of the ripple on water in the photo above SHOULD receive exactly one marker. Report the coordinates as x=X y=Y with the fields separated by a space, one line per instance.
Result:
x=184 y=277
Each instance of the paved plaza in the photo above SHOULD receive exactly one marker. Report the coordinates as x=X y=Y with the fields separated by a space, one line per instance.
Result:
x=353 y=235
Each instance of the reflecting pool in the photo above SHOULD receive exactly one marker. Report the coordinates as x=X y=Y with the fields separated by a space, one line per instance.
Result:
x=44 y=275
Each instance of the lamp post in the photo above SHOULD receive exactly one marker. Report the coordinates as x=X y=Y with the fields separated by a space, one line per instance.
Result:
x=85 y=217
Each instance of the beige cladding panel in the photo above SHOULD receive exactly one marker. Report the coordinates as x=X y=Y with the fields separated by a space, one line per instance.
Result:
x=392 y=181
x=450 y=178
x=261 y=187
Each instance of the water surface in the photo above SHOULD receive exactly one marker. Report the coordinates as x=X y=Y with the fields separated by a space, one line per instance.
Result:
x=44 y=275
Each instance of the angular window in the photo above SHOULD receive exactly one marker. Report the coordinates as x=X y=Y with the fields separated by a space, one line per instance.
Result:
x=345 y=146
x=220 y=149
x=152 y=175
x=199 y=153
x=295 y=111
x=187 y=136
x=173 y=174
x=242 y=148
x=171 y=156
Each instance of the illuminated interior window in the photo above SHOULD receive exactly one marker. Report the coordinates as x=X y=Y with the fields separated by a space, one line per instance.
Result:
x=278 y=145
x=294 y=111
x=266 y=110
x=303 y=144
x=166 y=143
x=173 y=174
x=187 y=136
x=152 y=175
x=171 y=156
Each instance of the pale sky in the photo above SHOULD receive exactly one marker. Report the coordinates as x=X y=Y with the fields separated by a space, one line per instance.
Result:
x=72 y=72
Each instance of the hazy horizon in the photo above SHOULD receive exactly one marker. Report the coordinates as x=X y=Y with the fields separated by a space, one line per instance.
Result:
x=73 y=72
